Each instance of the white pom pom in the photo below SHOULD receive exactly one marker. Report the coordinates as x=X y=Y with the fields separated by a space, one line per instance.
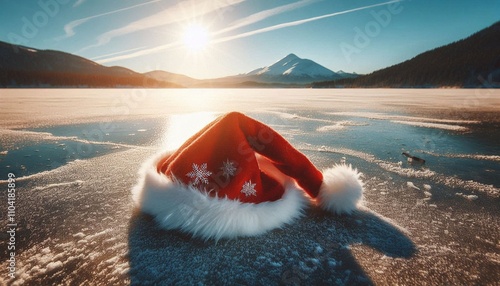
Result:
x=342 y=189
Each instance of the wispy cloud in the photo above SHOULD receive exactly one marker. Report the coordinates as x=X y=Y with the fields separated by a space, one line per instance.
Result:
x=142 y=52
x=296 y=23
x=260 y=16
x=69 y=28
x=118 y=53
x=247 y=21
x=179 y=12
x=78 y=3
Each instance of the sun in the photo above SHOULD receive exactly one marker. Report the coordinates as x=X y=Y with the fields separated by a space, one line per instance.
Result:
x=196 y=38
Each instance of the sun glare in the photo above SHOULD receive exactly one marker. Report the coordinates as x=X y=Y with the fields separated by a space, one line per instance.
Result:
x=196 y=38
x=182 y=126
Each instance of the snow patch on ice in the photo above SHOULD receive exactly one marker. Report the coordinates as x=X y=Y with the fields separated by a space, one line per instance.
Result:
x=495 y=158
x=335 y=127
x=433 y=125
x=76 y=183
x=30 y=134
x=493 y=257
x=285 y=115
x=358 y=154
x=426 y=187
x=121 y=269
x=339 y=125
x=79 y=235
x=35 y=176
x=412 y=186
x=446 y=124
x=385 y=116
x=406 y=172
x=54 y=265
x=26 y=135
x=453 y=182
x=468 y=197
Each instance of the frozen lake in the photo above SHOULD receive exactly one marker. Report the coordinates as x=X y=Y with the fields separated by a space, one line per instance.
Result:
x=75 y=154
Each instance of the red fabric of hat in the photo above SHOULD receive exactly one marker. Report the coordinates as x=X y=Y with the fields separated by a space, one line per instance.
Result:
x=221 y=159
x=239 y=177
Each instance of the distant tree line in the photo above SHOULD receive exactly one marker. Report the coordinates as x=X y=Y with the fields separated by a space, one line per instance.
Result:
x=10 y=78
x=471 y=62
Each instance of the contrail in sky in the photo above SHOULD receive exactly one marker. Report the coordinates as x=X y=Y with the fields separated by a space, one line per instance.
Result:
x=260 y=16
x=117 y=53
x=69 y=28
x=296 y=23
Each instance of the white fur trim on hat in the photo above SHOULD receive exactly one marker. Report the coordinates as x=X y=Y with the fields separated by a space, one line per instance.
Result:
x=175 y=205
x=342 y=189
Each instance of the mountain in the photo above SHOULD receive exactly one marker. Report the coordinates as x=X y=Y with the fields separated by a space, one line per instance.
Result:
x=292 y=65
x=172 y=77
x=471 y=62
x=292 y=69
x=25 y=66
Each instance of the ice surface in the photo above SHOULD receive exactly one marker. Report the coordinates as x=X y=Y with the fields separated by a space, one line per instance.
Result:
x=77 y=224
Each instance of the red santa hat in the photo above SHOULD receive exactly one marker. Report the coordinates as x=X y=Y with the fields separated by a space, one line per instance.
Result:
x=239 y=177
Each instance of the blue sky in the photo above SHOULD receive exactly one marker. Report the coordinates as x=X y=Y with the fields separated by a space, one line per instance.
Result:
x=241 y=35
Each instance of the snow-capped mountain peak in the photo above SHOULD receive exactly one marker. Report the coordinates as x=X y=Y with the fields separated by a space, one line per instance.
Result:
x=289 y=57
x=293 y=66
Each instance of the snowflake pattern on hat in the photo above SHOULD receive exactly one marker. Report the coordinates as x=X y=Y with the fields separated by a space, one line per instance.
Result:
x=228 y=168
x=249 y=189
x=200 y=174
